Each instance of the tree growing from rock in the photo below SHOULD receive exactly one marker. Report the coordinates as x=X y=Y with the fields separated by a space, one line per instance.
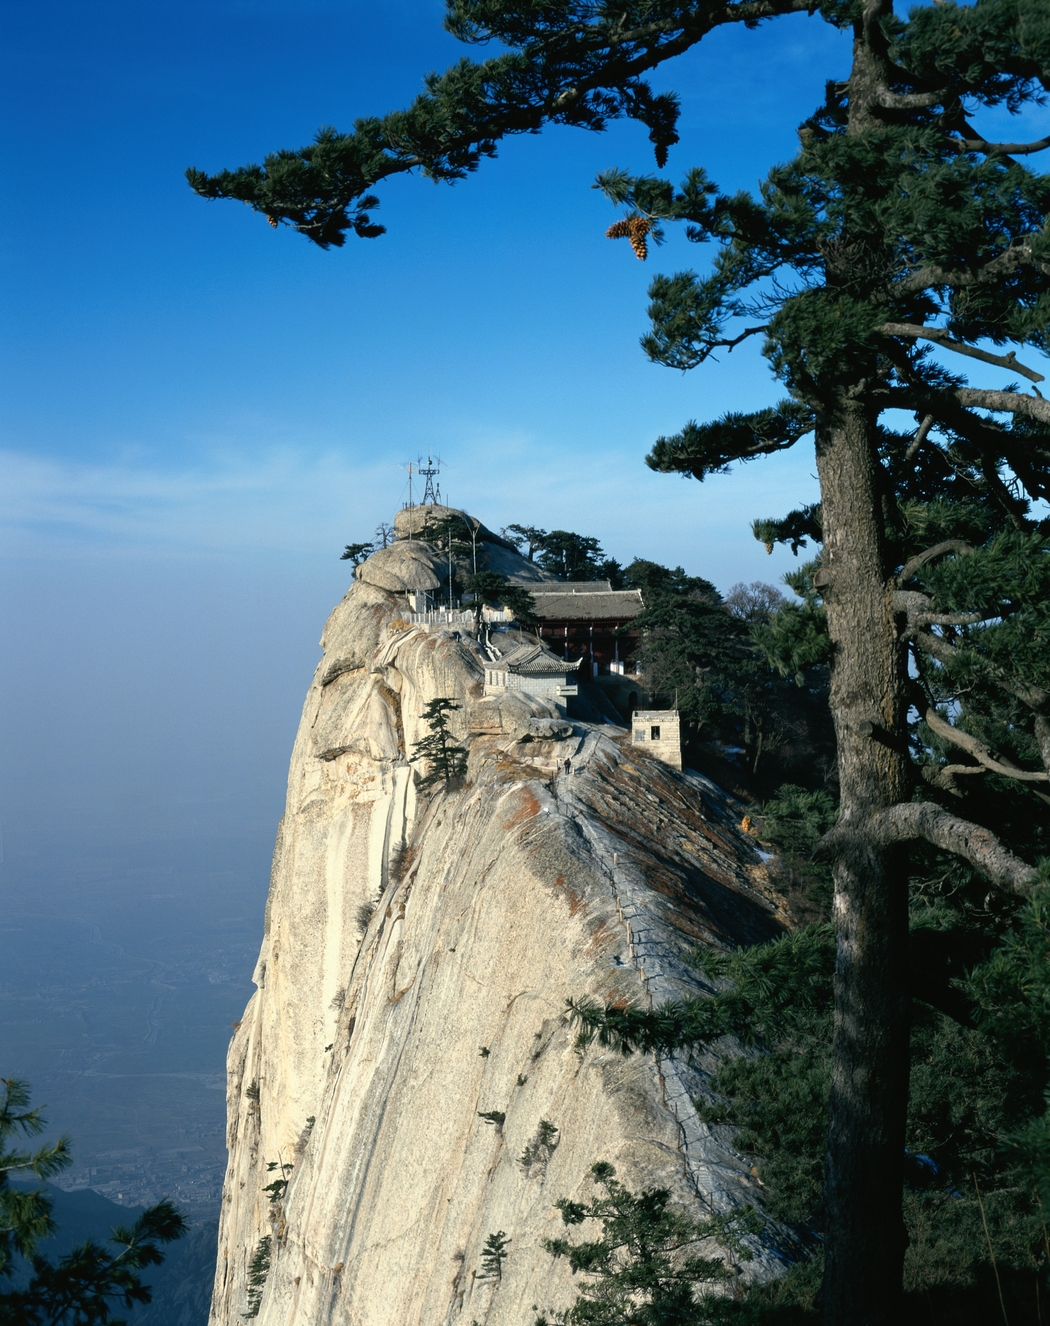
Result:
x=355 y=553
x=445 y=759
x=900 y=242
x=495 y=590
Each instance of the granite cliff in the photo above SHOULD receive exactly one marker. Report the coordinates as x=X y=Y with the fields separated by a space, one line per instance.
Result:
x=418 y=952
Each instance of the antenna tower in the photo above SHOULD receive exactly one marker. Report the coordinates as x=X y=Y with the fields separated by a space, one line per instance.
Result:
x=410 y=468
x=431 y=496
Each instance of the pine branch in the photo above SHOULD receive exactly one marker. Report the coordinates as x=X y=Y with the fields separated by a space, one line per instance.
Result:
x=941 y=337
x=982 y=753
x=1010 y=402
x=978 y=143
x=929 y=822
x=916 y=563
x=921 y=434
x=1018 y=254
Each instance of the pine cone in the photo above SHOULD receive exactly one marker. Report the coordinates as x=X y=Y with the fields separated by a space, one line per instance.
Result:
x=273 y=221
x=618 y=230
x=637 y=229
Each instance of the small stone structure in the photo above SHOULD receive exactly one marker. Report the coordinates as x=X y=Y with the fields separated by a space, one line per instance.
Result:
x=532 y=668
x=660 y=732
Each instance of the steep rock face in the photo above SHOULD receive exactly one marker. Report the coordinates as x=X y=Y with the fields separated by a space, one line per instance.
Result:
x=419 y=950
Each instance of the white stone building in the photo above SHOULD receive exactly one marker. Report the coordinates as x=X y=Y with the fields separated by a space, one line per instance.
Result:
x=659 y=731
x=531 y=667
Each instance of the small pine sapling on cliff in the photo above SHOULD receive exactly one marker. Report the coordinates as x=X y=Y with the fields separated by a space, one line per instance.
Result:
x=445 y=760
x=258 y=1270
x=493 y=1256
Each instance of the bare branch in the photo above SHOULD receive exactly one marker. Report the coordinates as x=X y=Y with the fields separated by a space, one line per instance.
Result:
x=973 y=746
x=941 y=337
x=930 y=822
x=748 y=331
x=943 y=776
x=916 y=563
x=890 y=100
x=978 y=143
x=916 y=605
x=1012 y=402
x=922 y=433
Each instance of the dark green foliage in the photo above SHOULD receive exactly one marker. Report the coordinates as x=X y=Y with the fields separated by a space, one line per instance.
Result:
x=25 y=1217
x=445 y=760
x=489 y=587
x=783 y=984
x=712 y=657
x=702 y=449
x=528 y=539
x=83 y=1287
x=493 y=1255
x=563 y=554
x=279 y=1186
x=977 y=1132
x=258 y=1270
x=793 y=822
x=497 y=1117
x=645 y=1268
x=794 y=640
x=570 y=556
x=689 y=644
x=357 y=552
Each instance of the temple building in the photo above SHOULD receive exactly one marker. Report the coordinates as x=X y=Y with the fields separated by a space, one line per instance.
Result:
x=585 y=620
x=530 y=667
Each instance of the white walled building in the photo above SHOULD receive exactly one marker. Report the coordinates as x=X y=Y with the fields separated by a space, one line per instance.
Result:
x=532 y=668
x=659 y=731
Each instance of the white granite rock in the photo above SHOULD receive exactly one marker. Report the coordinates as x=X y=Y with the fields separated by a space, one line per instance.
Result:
x=418 y=953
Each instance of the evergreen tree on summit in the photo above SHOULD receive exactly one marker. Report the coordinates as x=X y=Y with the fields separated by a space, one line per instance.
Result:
x=899 y=229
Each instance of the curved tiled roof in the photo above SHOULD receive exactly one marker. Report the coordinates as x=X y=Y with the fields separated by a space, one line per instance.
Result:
x=610 y=604
x=532 y=659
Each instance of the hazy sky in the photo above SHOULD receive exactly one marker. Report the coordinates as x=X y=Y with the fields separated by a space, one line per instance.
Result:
x=198 y=411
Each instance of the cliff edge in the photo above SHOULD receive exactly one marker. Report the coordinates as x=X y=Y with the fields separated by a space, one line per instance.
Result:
x=418 y=952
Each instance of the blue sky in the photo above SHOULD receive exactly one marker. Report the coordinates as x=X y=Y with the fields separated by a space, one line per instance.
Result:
x=177 y=377
x=197 y=412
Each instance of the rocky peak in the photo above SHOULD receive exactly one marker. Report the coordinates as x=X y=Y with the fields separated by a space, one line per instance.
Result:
x=409 y=1035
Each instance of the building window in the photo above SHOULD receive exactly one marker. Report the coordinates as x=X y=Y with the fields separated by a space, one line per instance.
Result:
x=654 y=733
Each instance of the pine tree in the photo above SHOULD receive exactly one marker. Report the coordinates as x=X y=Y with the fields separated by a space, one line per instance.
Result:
x=645 y=1266
x=489 y=587
x=82 y=1288
x=493 y=1255
x=445 y=760
x=357 y=552
x=897 y=228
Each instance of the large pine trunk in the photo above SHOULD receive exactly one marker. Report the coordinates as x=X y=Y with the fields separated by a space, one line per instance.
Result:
x=862 y=1194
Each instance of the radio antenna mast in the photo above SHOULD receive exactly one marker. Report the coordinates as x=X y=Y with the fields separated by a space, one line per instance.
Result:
x=411 y=469
x=430 y=470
